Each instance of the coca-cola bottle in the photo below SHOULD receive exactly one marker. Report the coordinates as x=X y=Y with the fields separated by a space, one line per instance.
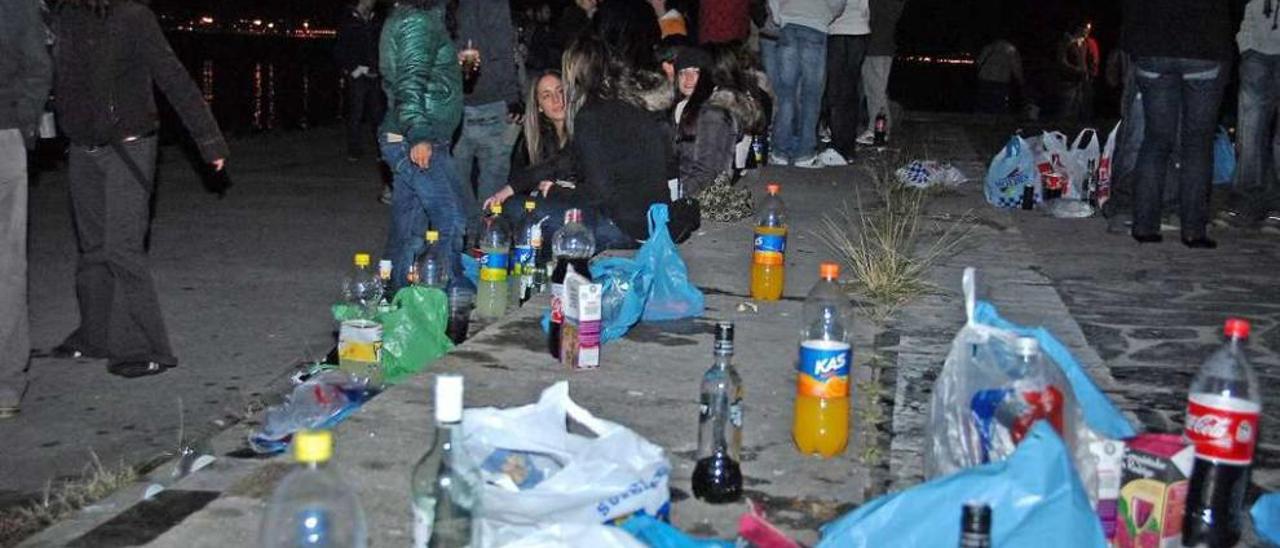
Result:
x=1222 y=422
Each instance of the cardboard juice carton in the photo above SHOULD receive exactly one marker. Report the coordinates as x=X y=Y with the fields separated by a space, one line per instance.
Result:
x=1157 y=470
x=580 y=335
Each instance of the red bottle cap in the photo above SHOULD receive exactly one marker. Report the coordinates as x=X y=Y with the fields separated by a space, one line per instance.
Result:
x=829 y=271
x=1236 y=328
x=772 y=188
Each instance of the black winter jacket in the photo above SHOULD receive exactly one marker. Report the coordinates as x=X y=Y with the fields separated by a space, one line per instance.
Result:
x=556 y=163
x=357 y=42
x=106 y=69
x=25 y=72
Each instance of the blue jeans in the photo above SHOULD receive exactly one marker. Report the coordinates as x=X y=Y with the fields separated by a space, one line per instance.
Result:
x=484 y=140
x=606 y=232
x=1257 y=190
x=802 y=62
x=1124 y=160
x=422 y=197
x=769 y=59
x=1180 y=99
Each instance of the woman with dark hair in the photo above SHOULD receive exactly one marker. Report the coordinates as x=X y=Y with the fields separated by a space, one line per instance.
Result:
x=540 y=156
x=109 y=57
x=713 y=118
x=423 y=83
x=630 y=30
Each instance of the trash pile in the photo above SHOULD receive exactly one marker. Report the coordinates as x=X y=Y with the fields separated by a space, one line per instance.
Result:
x=1022 y=448
x=1069 y=179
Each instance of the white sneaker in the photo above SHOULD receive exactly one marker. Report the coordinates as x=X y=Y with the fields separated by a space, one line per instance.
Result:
x=831 y=158
x=810 y=162
x=775 y=160
x=867 y=138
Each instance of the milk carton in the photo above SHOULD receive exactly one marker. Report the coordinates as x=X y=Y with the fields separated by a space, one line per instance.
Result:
x=580 y=336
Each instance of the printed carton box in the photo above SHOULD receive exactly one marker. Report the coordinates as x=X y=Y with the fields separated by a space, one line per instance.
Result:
x=1157 y=469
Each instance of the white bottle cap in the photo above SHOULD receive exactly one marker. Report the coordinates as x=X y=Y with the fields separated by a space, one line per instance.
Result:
x=1026 y=347
x=448 y=398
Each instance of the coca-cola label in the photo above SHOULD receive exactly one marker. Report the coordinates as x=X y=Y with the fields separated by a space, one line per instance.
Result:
x=1223 y=430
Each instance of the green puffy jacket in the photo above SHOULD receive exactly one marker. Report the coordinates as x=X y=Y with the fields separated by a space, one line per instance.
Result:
x=420 y=75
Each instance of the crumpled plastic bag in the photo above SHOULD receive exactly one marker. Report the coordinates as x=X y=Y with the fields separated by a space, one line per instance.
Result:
x=672 y=296
x=321 y=402
x=927 y=173
x=657 y=534
x=1266 y=517
x=1035 y=499
x=559 y=535
x=413 y=332
x=1067 y=208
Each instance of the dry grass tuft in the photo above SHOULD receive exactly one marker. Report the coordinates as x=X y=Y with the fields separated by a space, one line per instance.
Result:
x=59 y=502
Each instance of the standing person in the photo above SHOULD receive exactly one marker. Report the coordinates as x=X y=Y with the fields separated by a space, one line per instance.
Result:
x=721 y=21
x=1119 y=205
x=424 y=106
x=1181 y=83
x=109 y=55
x=999 y=76
x=801 y=65
x=879 y=61
x=24 y=87
x=1078 y=69
x=491 y=102
x=574 y=20
x=1256 y=193
x=356 y=52
x=846 y=48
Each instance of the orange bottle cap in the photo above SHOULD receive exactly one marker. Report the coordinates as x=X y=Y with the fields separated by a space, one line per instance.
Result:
x=829 y=270
x=772 y=188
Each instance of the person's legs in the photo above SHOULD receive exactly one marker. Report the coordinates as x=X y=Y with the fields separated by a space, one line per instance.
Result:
x=408 y=222
x=812 y=56
x=493 y=152
x=875 y=79
x=1201 y=95
x=15 y=336
x=843 y=68
x=464 y=155
x=436 y=189
x=1161 y=90
x=769 y=60
x=1253 y=192
x=358 y=92
x=787 y=82
x=1124 y=161
x=94 y=280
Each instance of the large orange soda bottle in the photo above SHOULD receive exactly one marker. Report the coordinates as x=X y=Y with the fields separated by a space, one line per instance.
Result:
x=822 y=375
x=770 y=248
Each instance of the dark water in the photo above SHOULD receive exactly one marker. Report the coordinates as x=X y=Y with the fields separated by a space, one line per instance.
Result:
x=256 y=84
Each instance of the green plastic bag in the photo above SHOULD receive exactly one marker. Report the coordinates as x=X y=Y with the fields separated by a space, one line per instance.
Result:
x=413 y=332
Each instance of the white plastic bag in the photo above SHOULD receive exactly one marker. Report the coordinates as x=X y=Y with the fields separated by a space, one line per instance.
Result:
x=1082 y=163
x=927 y=173
x=577 y=534
x=1103 y=192
x=1011 y=172
x=1051 y=150
x=590 y=480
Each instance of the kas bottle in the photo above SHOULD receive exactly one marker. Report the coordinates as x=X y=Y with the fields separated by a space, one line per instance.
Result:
x=767 y=258
x=821 y=424
x=1223 y=407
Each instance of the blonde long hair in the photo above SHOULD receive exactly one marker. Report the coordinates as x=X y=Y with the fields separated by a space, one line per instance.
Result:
x=584 y=71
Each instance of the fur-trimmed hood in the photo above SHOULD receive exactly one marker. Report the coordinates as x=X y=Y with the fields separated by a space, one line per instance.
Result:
x=744 y=109
x=646 y=89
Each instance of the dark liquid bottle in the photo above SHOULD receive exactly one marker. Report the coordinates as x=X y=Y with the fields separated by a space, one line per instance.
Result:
x=717 y=476
x=573 y=245
x=975 y=525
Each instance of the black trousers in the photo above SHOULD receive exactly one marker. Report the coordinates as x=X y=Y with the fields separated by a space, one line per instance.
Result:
x=364 y=106
x=119 y=311
x=844 y=90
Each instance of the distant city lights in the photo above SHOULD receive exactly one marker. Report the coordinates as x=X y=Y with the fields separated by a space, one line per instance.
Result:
x=206 y=24
x=937 y=60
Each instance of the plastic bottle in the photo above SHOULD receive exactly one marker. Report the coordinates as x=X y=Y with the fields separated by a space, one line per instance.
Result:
x=313 y=506
x=975 y=525
x=524 y=260
x=822 y=379
x=444 y=486
x=433 y=270
x=881 y=130
x=573 y=245
x=361 y=287
x=384 y=277
x=767 y=261
x=717 y=476
x=1223 y=407
x=495 y=244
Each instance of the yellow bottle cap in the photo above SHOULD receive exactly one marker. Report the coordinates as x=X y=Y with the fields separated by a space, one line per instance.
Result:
x=530 y=205
x=312 y=446
x=433 y=235
x=496 y=208
x=362 y=259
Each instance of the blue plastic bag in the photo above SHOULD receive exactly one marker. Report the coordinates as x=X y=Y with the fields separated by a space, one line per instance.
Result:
x=1224 y=158
x=1035 y=498
x=625 y=285
x=1266 y=517
x=671 y=295
x=657 y=534
x=1011 y=170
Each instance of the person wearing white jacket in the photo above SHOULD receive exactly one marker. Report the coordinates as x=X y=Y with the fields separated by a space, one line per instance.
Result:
x=846 y=47
x=801 y=73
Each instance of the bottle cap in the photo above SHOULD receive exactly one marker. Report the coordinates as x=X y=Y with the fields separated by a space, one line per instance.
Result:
x=433 y=235
x=573 y=216
x=724 y=338
x=384 y=267
x=975 y=518
x=829 y=270
x=312 y=446
x=496 y=209
x=773 y=188
x=362 y=259
x=1026 y=347
x=448 y=398
x=1236 y=328
x=530 y=205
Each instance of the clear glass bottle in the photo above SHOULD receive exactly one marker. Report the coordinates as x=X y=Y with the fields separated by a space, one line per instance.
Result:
x=717 y=476
x=445 y=485
x=313 y=506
